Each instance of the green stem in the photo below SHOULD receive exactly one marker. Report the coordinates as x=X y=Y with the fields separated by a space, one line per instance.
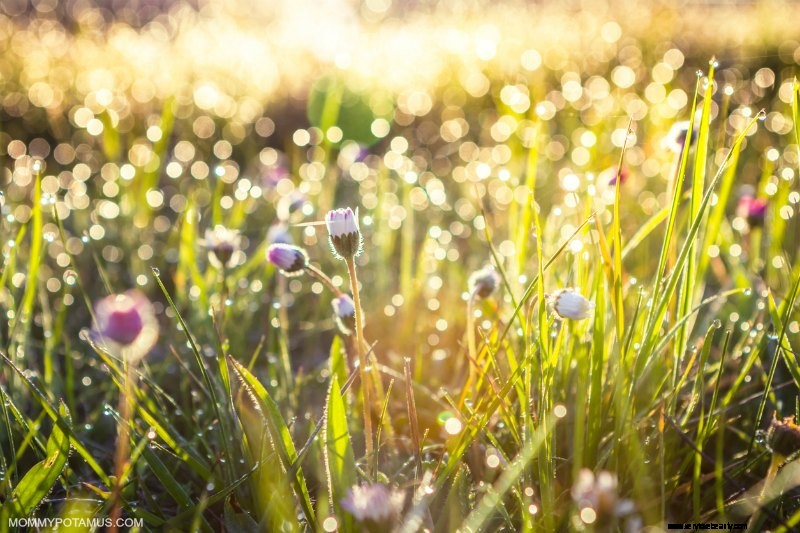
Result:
x=122 y=455
x=323 y=277
x=362 y=365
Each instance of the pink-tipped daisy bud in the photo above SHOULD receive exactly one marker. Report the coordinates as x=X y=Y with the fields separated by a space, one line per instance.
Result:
x=752 y=209
x=127 y=322
x=222 y=244
x=376 y=506
x=345 y=312
x=290 y=259
x=568 y=303
x=623 y=173
x=345 y=237
x=482 y=283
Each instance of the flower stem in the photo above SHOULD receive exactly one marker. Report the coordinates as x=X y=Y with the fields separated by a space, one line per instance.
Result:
x=122 y=455
x=362 y=365
x=473 y=351
x=323 y=277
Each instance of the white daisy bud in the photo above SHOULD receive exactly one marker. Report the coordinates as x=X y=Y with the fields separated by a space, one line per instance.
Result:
x=676 y=137
x=376 y=506
x=345 y=236
x=222 y=244
x=290 y=259
x=568 y=303
x=482 y=283
x=345 y=311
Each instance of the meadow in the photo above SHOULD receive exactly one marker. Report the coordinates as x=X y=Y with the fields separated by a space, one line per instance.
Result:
x=392 y=266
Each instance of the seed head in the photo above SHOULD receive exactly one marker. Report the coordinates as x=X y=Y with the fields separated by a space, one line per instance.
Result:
x=345 y=236
x=568 y=303
x=290 y=259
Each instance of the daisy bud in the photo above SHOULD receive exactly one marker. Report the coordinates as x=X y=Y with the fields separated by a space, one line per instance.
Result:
x=345 y=312
x=753 y=209
x=567 y=303
x=783 y=437
x=279 y=234
x=482 y=283
x=624 y=173
x=599 y=495
x=376 y=506
x=290 y=259
x=127 y=322
x=345 y=237
x=222 y=244
x=676 y=137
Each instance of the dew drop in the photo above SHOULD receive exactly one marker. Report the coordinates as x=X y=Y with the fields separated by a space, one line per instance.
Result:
x=156 y=271
x=717 y=323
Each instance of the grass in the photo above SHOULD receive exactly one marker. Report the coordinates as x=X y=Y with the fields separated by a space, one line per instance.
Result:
x=255 y=412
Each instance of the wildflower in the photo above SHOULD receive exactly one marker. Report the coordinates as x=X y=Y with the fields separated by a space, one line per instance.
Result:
x=568 y=303
x=345 y=236
x=624 y=173
x=128 y=323
x=753 y=209
x=376 y=506
x=345 y=312
x=676 y=137
x=291 y=203
x=482 y=283
x=290 y=259
x=783 y=437
x=222 y=244
x=598 y=494
x=279 y=234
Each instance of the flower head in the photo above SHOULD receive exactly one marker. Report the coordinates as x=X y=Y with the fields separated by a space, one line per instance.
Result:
x=568 y=303
x=279 y=234
x=783 y=437
x=345 y=311
x=291 y=203
x=676 y=137
x=599 y=495
x=753 y=209
x=126 y=322
x=222 y=244
x=290 y=259
x=345 y=236
x=482 y=283
x=623 y=172
x=376 y=505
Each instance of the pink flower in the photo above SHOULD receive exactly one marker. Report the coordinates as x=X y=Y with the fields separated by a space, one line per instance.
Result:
x=127 y=323
x=753 y=209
